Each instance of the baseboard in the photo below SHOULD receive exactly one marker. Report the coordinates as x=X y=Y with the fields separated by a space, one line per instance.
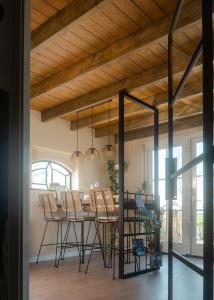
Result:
x=52 y=256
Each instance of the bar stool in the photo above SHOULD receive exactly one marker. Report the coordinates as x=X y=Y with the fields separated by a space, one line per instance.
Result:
x=51 y=215
x=101 y=200
x=74 y=214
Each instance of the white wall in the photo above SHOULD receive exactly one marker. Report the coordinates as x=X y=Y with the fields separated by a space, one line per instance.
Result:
x=55 y=141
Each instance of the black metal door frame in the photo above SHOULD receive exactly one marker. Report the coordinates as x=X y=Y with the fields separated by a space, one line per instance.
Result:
x=122 y=96
x=207 y=157
x=14 y=148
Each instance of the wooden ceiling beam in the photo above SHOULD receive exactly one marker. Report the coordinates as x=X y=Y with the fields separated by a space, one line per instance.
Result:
x=151 y=34
x=132 y=109
x=180 y=124
x=147 y=120
x=146 y=79
x=73 y=14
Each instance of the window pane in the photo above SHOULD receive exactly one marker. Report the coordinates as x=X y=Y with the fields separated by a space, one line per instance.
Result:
x=39 y=165
x=177 y=153
x=199 y=192
x=39 y=176
x=162 y=194
x=59 y=168
x=177 y=204
x=199 y=169
x=46 y=172
x=162 y=158
x=68 y=182
x=39 y=186
x=199 y=227
x=163 y=231
x=177 y=225
x=199 y=148
x=58 y=178
x=49 y=175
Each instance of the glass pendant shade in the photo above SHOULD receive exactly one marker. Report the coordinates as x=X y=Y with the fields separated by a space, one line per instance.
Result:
x=77 y=157
x=109 y=152
x=92 y=154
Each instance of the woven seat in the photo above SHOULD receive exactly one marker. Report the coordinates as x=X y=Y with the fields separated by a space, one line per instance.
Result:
x=135 y=219
x=76 y=219
x=55 y=219
x=107 y=219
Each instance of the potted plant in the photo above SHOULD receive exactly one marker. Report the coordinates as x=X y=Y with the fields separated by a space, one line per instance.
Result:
x=113 y=176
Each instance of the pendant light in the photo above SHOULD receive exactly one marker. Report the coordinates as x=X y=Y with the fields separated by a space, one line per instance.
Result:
x=109 y=151
x=77 y=157
x=92 y=153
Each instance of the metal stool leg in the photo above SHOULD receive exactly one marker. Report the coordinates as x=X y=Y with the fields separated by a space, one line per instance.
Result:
x=99 y=238
x=79 y=248
x=57 y=241
x=62 y=251
x=65 y=240
x=82 y=246
x=37 y=261
x=114 y=237
x=110 y=255
x=86 y=242
x=96 y=233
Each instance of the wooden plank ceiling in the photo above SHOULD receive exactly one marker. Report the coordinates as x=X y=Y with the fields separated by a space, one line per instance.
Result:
x=84 y=51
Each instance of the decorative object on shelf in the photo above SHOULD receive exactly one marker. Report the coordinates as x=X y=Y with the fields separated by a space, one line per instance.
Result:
x=138 y=247
x=143 y=211
x=94 y=185
x=77 y=157
x=155 y=261
x=53 y=185
x=109 y=151
x=92 y=153
x=113 y=176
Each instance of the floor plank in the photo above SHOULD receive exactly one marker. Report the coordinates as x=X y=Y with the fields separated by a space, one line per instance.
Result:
x=47 y=282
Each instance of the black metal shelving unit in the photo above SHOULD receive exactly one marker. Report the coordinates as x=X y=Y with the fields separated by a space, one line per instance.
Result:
x=205 y=46
x=135 y=230
x=140 y=228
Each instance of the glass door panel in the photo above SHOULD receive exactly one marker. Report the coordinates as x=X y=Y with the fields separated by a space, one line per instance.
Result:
x=177 y=203
x=197 y=203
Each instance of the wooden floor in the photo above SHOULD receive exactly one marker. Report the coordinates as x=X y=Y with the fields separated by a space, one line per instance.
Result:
x=66 y=283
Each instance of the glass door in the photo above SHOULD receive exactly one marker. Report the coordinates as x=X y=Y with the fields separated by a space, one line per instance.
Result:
x=179 y=237
x=197 y=202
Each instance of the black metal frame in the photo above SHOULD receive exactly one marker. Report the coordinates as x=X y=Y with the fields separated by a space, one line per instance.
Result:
x=206 y=157
x=122 y=95
x=14 y=150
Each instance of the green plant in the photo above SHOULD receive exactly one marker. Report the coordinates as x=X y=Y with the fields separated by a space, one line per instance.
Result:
x=113 y=176
x=143 y=188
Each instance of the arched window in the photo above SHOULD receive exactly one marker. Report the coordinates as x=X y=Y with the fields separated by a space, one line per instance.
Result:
x=46 y=174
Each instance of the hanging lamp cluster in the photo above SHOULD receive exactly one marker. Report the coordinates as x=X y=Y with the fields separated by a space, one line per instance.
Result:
x=92 y=153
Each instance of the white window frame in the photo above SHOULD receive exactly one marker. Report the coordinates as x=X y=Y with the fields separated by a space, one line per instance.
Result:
x=42 y=186
x=188 y=144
